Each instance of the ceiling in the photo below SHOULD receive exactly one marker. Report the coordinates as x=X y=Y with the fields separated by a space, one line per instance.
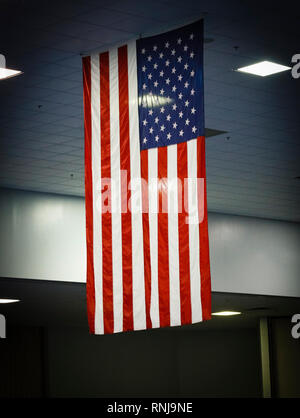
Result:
x=251 y=169
x=63 y=304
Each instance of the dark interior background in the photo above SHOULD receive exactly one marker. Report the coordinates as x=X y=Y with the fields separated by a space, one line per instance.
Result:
x=48 y=351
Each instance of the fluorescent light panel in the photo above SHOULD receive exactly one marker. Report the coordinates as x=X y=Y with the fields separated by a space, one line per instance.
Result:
x=9 y=300
x=264 y=68
x=7 y=73
x=226 y=313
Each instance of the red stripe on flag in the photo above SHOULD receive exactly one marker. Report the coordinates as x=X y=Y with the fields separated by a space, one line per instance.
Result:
x=203 y=231
x=125 y=192
x=183 y=237
x=108 y=315
x=90 y=284
x=145 y=216
x=163 y=240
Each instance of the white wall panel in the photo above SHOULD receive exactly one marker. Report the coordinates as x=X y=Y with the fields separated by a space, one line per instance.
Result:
x=42 y=236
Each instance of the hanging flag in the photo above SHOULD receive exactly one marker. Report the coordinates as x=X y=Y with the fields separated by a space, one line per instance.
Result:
x=145 y=188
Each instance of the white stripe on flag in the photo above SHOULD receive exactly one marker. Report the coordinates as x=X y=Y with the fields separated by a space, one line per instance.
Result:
x=175 y=314
x=115 y=191
x=194 y=242
x=138 y=283
x=153 y=233
x=96 y=170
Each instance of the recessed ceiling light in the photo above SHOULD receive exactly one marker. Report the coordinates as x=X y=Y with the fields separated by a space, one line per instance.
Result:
x=9 y=300
x=6 y=72
x=264 y=68
x=226 y=313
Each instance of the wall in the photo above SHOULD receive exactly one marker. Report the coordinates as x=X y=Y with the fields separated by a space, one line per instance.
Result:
x=176 y=362
x=22 y=363
x=42 y=236
x=68 y=362
x=220 y=363
x=285 y=359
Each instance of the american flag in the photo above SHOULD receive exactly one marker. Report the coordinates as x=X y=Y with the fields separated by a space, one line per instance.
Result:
x=146 y=216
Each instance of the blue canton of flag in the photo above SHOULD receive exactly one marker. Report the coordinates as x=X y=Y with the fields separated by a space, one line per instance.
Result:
x=170 y=86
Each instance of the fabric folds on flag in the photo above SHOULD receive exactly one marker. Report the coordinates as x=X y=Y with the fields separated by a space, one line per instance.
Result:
x=145 y=184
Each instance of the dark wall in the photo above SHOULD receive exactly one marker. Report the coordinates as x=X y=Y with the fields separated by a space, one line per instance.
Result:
x=22 y=363
x=158 y=363
x=68 y=362
x=285 y=359
x=222 y=363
